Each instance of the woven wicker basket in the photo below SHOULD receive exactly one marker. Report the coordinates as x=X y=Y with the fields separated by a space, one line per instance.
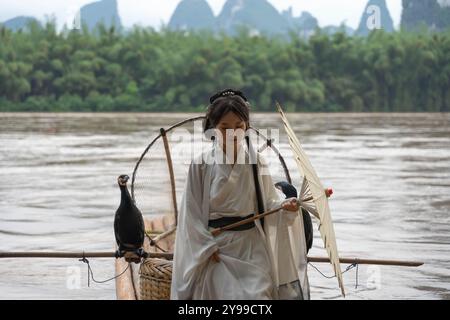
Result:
x=155 y=279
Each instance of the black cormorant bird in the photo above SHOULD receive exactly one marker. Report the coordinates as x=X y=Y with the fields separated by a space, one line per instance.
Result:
x=290 y=192
x=129 y=228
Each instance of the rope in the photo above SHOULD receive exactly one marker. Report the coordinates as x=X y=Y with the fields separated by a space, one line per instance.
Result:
x=91 y=274
x=350 y=267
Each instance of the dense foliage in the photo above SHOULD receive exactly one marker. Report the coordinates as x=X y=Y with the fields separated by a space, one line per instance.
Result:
x=144 y=70
x=432 y=14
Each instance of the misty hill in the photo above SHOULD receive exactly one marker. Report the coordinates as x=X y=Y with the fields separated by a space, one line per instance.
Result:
x=330 y=30
x=193 y=14
x=305 y=24
x=104 y=11
x=18 y=23
x=433 y=14
x=257 y=15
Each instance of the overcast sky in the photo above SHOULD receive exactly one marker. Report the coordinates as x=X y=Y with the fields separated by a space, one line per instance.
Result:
x=155 y=12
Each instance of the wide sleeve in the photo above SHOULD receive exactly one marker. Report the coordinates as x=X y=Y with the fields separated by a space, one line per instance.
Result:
x=276 y=228
x=194 y=244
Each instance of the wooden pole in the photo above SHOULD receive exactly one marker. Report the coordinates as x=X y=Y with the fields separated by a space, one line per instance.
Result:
x=169 y=256
x=162 y=236
x=75 y=255
x=218 y=231
x=369 y=261
x=171 y=174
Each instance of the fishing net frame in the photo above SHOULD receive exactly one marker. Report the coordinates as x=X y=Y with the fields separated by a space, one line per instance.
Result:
x=163 y=135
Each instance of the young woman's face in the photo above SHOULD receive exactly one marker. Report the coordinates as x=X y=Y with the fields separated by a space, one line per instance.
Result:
x=232 y=129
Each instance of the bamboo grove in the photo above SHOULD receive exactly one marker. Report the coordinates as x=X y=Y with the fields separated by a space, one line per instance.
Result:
x=43 y=69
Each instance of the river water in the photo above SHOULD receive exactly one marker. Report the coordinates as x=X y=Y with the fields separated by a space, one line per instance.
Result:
x=390 y=174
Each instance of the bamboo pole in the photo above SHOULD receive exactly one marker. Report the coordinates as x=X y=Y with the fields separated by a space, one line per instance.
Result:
x=169 y=256
x=163 y=235
x=171 y=174
x=369 y=261
x=75 y=255
x=218 y=231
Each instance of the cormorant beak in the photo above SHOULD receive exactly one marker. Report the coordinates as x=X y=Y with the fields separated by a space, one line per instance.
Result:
x=123 y=180
x=279 y=186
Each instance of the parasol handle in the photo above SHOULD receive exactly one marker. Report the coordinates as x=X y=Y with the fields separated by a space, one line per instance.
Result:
x=217 y=231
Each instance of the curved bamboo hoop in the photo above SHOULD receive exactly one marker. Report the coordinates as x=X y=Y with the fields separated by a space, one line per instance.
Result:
x=181 y=123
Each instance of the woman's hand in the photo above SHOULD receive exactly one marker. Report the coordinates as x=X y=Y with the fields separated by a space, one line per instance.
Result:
x=290 y=204
x=215 y=256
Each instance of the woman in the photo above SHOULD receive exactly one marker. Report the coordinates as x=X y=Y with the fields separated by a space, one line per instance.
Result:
x=259 y=260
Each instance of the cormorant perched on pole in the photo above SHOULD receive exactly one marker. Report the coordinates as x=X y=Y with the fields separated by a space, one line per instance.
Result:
x=290 y=192
x=129 y=228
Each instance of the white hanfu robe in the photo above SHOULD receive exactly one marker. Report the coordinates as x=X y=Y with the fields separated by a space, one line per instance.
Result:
x=254 y=263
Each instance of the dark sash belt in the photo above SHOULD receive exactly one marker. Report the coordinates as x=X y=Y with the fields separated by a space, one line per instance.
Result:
x=224 y=221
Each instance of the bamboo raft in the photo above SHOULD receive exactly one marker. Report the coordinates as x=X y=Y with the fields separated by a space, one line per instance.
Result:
x=151 y=279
